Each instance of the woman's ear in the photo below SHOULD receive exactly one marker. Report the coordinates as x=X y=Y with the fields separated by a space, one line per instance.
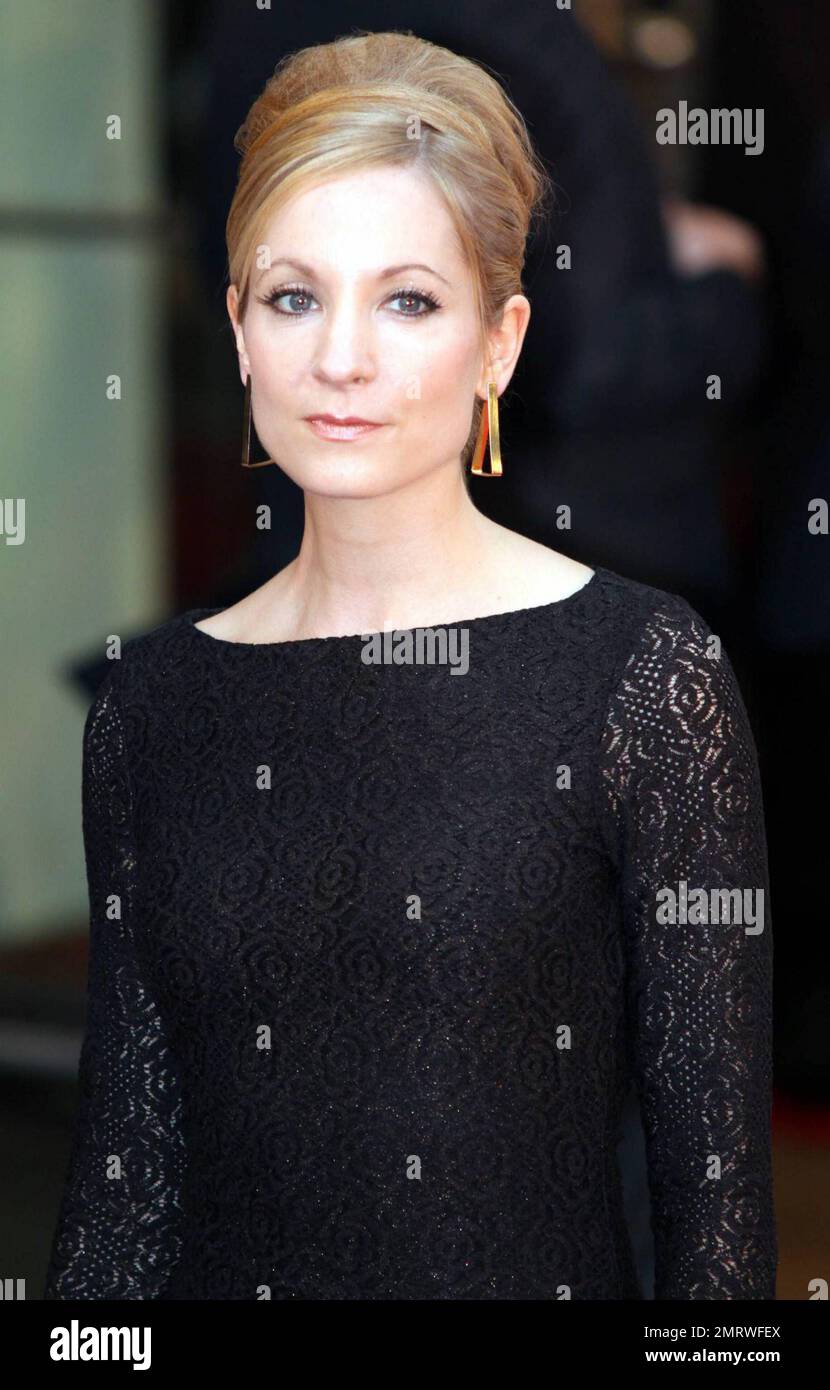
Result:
x=232 y=302
x=505 y=344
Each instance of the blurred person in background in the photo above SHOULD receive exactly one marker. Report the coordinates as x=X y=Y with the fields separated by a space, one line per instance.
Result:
x=777 y=58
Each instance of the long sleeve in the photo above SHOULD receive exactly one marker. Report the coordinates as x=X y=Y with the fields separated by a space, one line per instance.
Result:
x=117 y=1234
x=681 y=787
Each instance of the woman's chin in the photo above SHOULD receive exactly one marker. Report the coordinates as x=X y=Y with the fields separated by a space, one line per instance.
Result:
x=353 y=477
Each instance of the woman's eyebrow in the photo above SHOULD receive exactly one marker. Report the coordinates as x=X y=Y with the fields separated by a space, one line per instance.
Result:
x=386 y=274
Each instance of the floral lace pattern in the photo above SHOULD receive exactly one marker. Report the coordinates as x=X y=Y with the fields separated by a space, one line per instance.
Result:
x=388 y=955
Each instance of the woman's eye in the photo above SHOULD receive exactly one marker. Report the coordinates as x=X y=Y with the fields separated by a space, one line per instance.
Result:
x=297 y=295
x=410 y=297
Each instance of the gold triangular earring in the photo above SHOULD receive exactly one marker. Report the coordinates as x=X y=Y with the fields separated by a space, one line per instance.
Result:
x=247 y=430
x=489 y=426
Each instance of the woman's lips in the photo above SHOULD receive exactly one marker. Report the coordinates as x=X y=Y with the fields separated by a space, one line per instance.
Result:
x=331 y=429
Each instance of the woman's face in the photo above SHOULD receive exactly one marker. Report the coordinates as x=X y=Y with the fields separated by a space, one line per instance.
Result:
x=366 y=308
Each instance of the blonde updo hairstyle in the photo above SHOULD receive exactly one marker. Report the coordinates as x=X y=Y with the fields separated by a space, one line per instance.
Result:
x=394 y=99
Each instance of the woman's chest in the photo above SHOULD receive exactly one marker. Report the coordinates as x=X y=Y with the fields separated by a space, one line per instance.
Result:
x=385 y=837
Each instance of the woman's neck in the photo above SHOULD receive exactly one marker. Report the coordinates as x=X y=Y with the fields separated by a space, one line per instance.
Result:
x=397 y=561
x=372 y=563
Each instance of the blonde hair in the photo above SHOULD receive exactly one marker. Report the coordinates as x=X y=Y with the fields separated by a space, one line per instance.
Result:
x=394 y=99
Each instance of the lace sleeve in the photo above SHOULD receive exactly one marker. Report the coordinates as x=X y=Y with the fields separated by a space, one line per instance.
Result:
x=679 y=774
x=116 y=1234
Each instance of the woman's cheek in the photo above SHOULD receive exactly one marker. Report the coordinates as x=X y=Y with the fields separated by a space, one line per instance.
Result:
x=439 y=370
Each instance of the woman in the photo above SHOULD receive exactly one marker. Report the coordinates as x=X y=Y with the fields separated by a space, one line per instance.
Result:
x=375 y=950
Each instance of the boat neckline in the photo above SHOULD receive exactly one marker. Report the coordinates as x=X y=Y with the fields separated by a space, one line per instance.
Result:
x=194 y=615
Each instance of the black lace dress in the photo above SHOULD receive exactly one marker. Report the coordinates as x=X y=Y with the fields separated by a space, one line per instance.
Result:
x=376 y=947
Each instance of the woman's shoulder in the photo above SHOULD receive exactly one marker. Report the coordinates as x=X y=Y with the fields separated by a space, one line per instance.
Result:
x=549 y=575
x=656 y=630
x=145 y=665
x=158 y=638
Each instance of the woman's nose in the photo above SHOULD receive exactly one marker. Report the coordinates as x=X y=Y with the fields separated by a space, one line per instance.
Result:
x=345 y=348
